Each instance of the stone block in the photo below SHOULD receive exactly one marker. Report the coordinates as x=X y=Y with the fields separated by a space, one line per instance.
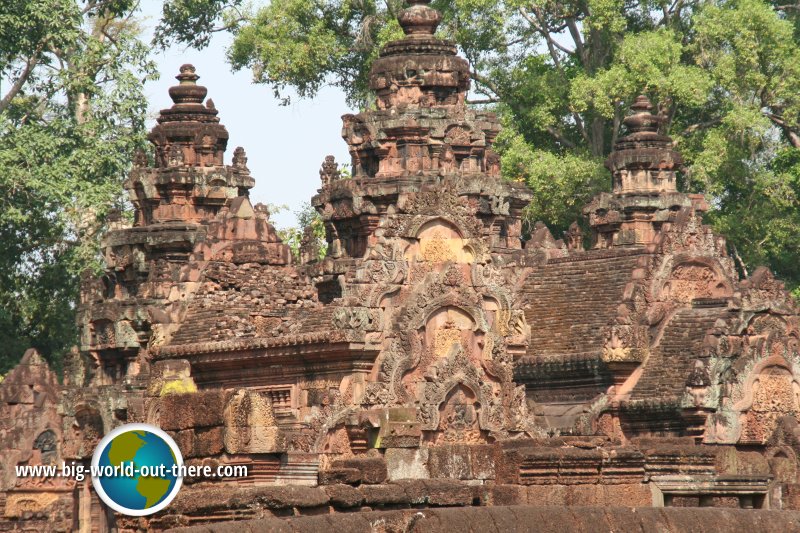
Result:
x=390 y=494
x=172 y=376
x=415 y=489
x=628 y=495
x=482 y=461
x=547 y=495
x=185 y=441
x=193 y=410
x=344 y=495
x=790 y=497
x=449 y=493
x=371 y=468
x=730 y=461
x=250 y=425
x=404 y=463
x=399 y=435
x=208 y=442
x=450 y=461
x=507 y=495
x=335 y=476
x=282 y=497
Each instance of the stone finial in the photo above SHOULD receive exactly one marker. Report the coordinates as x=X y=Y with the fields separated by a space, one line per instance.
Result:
x=240 y=158
x=419 y=70
x=115 y=220
x=329 y=172
x=642 y=119
x=574 y=237
x=643 y=161
x=263 y=210
x=644 y=168
x=419 y=18
x=187 y=91
x=309 y=246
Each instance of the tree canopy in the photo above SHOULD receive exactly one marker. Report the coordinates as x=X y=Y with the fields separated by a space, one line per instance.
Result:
x=71 y=114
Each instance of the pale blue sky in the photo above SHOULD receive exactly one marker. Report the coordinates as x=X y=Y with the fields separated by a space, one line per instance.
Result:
x=285 y=144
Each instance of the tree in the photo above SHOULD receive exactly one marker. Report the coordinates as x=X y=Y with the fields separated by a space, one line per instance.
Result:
x=308 y=220
x=70 y=118
x=724 y=74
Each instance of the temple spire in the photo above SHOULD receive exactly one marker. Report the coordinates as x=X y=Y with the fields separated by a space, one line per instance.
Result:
x=189 y=181
x=644 y=168
x=438 y=77
x=643 y=162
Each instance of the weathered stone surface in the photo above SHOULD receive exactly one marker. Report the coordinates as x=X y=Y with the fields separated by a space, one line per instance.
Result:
x=403 y=463
x=371 y=468
x=524 y=518
x=437 y=355
x=344 y=496
x=336 y=475
x=507 y=495
x=193 y=410
x=250 y=425
x=381 y=495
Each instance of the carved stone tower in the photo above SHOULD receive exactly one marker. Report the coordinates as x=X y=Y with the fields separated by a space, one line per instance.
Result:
x=421 y=134
x=644 y=195
x=190 y=208
x=189 y=182
x=422 y=239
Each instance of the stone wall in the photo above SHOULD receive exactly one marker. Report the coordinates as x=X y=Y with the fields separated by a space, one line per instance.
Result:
x=527 y=518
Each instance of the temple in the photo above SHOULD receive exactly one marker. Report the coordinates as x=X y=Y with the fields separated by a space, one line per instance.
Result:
x=432 y=357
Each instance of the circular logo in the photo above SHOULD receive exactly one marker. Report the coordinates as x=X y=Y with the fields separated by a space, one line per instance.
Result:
x=134 y=469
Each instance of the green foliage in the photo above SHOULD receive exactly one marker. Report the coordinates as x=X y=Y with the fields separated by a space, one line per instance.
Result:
x=70 y=118
x=194 y=22
x=307 y=217
x=562 y=182
x=305 y=44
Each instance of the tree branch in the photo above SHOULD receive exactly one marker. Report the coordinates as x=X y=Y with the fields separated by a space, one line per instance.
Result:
x=539 y=25
x=791 y=135
x=619 y=111
x=559 y=136
x=739 y=260
x=576 y=37
x=16 y=87
x=701 y=126
x=486 y=82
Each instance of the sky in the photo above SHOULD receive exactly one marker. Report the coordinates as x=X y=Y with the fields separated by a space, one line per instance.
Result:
x=285 y=145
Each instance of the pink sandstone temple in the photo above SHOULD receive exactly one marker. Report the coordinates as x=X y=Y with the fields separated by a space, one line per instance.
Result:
x=433 y=363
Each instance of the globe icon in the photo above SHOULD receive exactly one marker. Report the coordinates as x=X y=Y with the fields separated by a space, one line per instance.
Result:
x=132 y=469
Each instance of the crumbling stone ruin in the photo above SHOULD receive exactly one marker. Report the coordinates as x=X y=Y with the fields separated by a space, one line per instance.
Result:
x=432 y=358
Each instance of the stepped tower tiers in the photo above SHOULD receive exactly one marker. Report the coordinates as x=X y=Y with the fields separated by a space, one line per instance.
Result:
x=430 y=359
x=189 y=182
x=644 y=193
x=421 y=135
x=190 y=208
